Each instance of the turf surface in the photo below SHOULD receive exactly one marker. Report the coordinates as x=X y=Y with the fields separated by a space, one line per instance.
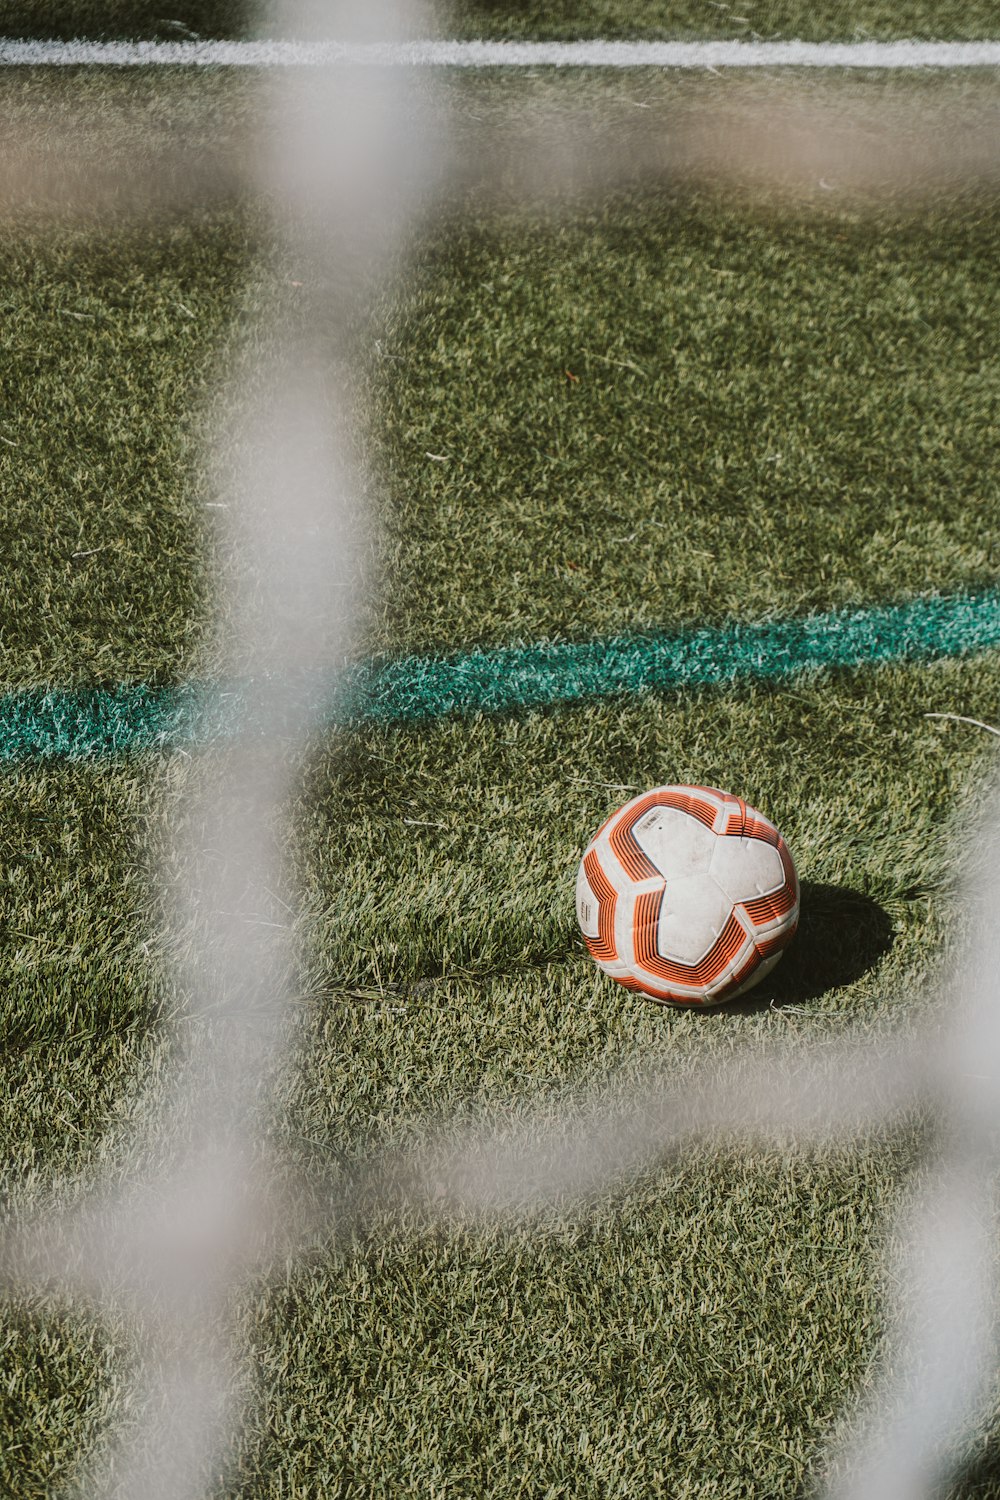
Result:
x=695 y=1333
x=600 y=405
x=829 y=20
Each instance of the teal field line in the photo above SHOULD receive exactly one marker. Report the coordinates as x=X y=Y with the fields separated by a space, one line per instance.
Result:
x=98 y=723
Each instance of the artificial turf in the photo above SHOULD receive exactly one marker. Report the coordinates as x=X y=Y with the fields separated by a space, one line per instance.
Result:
x=601 y=405
x=440 y=982
x=830 y=20
x=771 y=411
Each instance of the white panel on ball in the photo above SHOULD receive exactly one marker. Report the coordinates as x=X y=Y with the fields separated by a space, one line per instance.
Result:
x=692 y=916
x=746 y=867
x=676 y=843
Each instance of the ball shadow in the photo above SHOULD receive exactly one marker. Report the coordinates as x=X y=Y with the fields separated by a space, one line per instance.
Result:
x=979 y=1479
x=842 y=934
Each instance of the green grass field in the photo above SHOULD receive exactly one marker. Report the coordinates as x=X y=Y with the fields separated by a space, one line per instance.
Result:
x=665 y=409
x=828 y=20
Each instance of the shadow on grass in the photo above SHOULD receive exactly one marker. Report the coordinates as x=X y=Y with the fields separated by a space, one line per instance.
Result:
x=842 y=934
x=979 y=1480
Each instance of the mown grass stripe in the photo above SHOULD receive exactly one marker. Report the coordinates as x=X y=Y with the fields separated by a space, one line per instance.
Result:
x=107 y=722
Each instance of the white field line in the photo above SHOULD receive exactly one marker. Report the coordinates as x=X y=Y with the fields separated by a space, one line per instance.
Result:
x=589 y=54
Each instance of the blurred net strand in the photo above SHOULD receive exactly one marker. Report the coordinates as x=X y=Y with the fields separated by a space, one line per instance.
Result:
x=200 y=1210
x=944 y=1333
x=342 y=171
x=547 y=146
x=907 y=1439
x=803 y=1094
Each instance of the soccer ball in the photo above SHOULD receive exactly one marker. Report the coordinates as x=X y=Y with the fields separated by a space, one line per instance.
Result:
x=688 y=895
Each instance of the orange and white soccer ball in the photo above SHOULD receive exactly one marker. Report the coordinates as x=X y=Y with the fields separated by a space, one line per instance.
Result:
x=688 y=895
